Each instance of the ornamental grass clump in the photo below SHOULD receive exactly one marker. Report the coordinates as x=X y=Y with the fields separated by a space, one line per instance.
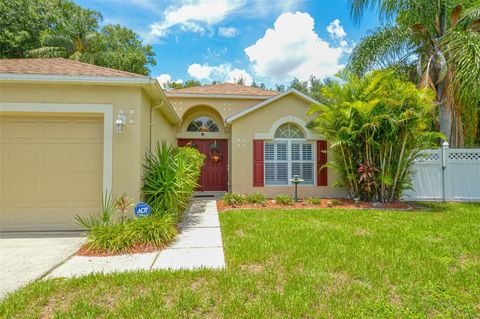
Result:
x=255 y=198
x=376 y=126
x=154 y=231
x=284 y=200
x=113 y=232
x=170 y=178
x=234 y=199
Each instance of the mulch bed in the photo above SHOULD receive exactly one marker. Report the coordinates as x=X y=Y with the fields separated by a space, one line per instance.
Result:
x=325 y=203
x=137 y=249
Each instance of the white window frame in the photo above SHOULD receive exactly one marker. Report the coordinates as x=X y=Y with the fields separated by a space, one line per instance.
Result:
x=289 y=160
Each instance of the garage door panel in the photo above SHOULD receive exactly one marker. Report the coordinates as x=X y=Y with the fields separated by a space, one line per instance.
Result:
x=18 y=158
x=54 y=129
x=51 y=170
x=22 y=129
x=18 y=187
x=86 y=130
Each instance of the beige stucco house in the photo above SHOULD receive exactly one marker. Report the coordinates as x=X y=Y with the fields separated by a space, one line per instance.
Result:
x=70 y=130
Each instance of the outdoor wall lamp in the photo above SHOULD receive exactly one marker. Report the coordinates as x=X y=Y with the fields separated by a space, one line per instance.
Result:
x=120 y=122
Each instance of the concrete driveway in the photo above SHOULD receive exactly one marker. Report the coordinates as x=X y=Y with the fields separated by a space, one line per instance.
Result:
x=25 y=257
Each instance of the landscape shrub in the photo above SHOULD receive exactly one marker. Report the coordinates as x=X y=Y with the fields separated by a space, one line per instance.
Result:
x=170 y=178
x=112 y=232
x=233 y=199
x=255 y=198
x=313 y=200
x=376 y=126
x=284 y=200
x=113 y=210
x=156 y=230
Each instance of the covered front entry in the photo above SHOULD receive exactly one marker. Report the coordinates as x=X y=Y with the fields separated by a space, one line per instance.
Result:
x=214 y=175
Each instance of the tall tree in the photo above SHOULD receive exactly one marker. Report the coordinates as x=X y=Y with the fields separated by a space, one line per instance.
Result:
x=440 y=37
x=21 y=23
x=61 y=28
x=72 y=36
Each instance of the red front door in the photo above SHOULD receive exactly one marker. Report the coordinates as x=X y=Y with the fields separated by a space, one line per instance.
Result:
x=214 y=175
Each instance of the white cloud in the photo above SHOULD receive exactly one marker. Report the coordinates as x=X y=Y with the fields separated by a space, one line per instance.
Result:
x=335 y=29
x=227 y=32
x=293 y=49
x=164 y=78
x=222 y=73
x=193 y=15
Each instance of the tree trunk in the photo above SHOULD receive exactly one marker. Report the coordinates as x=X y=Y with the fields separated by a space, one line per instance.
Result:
x=444 y=112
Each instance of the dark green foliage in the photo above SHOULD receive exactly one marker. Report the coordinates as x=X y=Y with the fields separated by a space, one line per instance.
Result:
x=170 y=178
x=284 y=200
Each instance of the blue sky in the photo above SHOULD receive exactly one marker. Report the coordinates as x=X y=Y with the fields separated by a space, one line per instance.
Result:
x=271 y=41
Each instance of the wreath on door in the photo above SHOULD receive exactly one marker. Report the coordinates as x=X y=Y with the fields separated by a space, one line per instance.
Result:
x=214 y=153
x=215 y=156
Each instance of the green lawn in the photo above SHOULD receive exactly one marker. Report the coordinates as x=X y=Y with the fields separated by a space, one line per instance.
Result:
x=328 y=263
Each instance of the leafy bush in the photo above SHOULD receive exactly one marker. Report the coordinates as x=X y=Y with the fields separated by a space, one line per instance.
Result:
x=111 y=208
x=376 y=125
x=255 y=198
x=156 y=230
x=170 y=178
x=313 y=200
x=234 y=199
x=284 y=200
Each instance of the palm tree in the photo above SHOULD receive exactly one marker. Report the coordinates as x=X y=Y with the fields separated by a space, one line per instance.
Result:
x=440 y=37
x=376 y=124
x=72 y=37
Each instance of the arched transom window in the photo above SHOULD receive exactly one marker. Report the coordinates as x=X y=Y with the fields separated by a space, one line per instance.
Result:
x=203 y=124
x=289 y=155
x=289 y=130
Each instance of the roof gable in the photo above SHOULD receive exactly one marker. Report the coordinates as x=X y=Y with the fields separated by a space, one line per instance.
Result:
x=269 y=101
x=223 y=89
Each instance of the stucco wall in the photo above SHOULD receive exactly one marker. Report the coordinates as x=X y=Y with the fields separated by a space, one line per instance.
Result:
x=128 y=147
x=260 y=121
x=226 y=107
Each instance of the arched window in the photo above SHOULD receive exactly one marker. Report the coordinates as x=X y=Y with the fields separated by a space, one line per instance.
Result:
x=289 y=155
x=202 y=124
x=289 y=130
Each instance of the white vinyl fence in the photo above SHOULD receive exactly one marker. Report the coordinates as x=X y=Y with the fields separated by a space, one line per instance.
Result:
x=450 y=174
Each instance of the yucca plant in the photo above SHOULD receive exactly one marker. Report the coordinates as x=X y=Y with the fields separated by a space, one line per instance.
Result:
x=171 y=177
x=106 y=217
x=379 y=119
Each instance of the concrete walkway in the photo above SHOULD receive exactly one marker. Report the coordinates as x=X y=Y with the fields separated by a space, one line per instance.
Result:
x=199 y=245
x=25 y=257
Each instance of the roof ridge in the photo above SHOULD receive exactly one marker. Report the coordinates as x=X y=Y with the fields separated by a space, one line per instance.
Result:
x=225 y=88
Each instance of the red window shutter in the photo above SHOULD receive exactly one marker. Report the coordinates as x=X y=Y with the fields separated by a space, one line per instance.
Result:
x=258 y=163
x=322 y=177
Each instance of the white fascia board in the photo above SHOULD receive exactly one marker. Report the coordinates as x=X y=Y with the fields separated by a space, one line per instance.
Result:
x=69 y=78
x=217 y=96
x=273 y=99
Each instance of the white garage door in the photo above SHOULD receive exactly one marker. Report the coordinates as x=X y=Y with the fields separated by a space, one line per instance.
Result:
x=51 y=170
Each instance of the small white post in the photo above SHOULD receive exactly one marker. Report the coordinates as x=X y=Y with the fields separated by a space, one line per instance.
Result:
x=445 y=147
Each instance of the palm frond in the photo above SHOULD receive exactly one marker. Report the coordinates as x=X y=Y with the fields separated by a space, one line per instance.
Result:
x=385 y=46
